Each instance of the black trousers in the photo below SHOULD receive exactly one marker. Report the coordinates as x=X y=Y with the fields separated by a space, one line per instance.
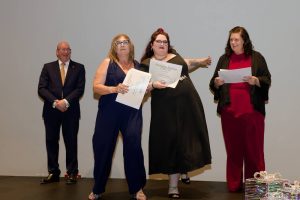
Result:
x=69 y=126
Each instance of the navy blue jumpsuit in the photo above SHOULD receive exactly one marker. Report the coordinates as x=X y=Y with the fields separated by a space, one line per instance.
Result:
x=112 y=118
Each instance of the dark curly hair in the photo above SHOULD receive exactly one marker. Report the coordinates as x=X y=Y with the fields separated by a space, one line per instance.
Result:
x=148 y=51
x=248 y=47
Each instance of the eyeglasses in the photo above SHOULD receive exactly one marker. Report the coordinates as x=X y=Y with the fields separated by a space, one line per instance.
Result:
x=122 y=43
x=67 y=49
x=163 y=42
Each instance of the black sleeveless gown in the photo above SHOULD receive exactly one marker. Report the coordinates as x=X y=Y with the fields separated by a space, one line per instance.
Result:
x=178 y=139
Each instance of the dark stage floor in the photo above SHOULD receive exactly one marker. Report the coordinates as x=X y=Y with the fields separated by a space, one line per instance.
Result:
x=28 y=188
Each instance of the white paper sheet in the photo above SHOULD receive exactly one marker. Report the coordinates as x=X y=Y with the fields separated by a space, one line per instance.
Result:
x=234 y=75
x=137 y=82
x=166 y=72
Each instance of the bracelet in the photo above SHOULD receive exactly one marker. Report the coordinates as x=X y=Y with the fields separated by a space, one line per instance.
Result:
x=153 y=85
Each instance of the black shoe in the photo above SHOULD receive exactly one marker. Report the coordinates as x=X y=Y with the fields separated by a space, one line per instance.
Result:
x=71 y=179
x=174 y=196
x=186 y=180
x=51 y=178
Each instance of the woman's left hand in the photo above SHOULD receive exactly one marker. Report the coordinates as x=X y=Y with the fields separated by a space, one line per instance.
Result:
x=207 y=61
x=252 y=80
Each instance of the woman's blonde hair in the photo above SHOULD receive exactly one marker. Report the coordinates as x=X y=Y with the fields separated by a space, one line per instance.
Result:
x=112 y=54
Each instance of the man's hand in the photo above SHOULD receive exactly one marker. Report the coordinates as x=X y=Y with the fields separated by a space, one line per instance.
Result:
x=61 y=105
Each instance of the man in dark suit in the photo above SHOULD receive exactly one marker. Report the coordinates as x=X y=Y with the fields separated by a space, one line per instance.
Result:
x=61 y=85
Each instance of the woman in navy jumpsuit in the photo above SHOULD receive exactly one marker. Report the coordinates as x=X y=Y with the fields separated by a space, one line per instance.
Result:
x=114 y=117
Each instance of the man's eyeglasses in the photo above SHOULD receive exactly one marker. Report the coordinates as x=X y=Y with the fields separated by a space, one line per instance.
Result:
x=164 y=42
x=122 y=43
x=66 y=49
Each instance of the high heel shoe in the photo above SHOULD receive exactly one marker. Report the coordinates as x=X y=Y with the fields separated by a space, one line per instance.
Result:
x=185 y=179
x=173 y=193
x=174 y=196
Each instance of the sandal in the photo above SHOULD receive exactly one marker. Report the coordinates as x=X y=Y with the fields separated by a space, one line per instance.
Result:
x=93 y=196
x=140 y=195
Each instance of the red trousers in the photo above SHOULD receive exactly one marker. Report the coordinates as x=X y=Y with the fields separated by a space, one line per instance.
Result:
x=244 y=143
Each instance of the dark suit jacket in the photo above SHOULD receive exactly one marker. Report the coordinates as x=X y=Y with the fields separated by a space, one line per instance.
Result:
x=50 y=88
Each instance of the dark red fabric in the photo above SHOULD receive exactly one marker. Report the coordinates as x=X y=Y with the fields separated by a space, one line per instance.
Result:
x=239 y=92
x=244 y=143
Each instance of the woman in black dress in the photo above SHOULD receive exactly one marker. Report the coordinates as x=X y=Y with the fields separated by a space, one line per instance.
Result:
x=179 y=140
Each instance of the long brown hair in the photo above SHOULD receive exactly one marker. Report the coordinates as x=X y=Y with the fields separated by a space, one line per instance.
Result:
x=248 y=47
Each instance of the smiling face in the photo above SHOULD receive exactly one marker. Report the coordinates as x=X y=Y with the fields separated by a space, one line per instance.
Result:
x=160 y=45
x=121 y=46
x=237 y=43
x=63 y=51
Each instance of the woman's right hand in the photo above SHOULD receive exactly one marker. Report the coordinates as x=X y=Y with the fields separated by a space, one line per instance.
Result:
x=159 y=85
x=218 y=82
x=121 y=88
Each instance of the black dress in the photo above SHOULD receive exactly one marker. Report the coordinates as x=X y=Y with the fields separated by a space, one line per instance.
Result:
x=178 y=139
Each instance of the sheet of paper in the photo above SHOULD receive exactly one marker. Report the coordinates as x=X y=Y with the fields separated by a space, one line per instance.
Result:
x=166 y=72
x=234 y=75
x=137 y=82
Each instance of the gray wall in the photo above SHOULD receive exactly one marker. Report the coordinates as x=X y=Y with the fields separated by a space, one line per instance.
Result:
x=31 y=29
